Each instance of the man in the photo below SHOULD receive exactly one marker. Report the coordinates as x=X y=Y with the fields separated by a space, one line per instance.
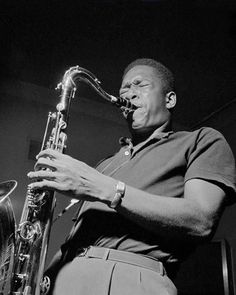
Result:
x=148 y=205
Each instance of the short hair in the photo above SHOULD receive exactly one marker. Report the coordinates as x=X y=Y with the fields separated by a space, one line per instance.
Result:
x=166 y=76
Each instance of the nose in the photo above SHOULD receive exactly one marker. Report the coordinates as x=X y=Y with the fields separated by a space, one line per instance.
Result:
x=131 y=94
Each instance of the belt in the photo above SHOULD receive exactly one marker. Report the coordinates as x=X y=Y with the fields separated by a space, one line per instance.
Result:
x=123 y=257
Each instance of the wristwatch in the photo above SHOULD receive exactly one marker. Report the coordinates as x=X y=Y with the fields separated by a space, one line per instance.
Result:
x=120 y=192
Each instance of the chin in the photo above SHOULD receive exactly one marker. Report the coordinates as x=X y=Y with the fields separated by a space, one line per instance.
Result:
x=137 y=126
x=140 y=129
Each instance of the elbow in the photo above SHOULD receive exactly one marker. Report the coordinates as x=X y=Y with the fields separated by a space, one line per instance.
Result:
x=205 y=230
x=206 y=233
x=205 y=224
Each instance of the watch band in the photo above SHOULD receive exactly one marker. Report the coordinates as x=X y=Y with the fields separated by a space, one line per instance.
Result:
x=120 y=192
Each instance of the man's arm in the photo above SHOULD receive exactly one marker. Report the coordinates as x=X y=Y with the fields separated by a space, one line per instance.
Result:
x=192 y=216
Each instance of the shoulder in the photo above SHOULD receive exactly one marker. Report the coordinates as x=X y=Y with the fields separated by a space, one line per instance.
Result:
x=198 y=134
x=206 y=148
x=207 y=133
x=211 y=158
x=205 y=136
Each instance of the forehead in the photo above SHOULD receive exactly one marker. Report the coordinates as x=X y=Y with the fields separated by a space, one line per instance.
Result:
x=140 y=71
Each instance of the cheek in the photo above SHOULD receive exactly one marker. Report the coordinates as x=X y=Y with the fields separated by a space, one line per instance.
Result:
x=155 y=112
x=157 y=102
x=154 y=107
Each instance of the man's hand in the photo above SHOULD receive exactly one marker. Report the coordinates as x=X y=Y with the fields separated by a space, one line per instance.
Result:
x=69 y=176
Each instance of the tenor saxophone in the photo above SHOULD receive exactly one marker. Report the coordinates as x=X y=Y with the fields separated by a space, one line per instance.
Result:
x=32 y=235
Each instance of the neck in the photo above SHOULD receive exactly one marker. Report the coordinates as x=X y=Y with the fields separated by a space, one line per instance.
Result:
x=139 y=136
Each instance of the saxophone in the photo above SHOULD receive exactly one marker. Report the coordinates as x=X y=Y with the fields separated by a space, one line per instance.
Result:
x=32 y=235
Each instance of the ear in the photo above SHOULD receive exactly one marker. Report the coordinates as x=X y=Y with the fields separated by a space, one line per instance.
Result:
x=171 y=100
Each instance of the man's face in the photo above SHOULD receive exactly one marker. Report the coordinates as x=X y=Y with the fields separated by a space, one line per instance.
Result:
x=143 y=88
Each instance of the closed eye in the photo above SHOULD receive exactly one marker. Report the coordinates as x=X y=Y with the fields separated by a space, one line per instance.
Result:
x=140 y=83
x=135 y=83
x=143 y=84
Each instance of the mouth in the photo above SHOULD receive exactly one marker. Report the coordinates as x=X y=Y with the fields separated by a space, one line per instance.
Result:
x=128 y=113
x=137 y=112
x=138 y=108
x=137 y=105
x=131 y=109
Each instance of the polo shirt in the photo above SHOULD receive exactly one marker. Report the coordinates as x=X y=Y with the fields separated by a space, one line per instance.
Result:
x=161 y=165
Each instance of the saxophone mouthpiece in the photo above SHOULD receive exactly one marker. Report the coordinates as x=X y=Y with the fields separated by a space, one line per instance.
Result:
x=123 y=103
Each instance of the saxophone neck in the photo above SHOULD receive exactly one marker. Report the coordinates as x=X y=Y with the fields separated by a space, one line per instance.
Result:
x=68 y=89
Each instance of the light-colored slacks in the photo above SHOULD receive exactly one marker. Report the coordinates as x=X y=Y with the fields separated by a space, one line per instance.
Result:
x=93 y=276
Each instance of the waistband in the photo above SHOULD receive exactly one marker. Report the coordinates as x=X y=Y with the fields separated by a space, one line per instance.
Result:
x=123 y=257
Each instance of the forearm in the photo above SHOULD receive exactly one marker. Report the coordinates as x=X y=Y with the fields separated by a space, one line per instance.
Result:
x=173 y=217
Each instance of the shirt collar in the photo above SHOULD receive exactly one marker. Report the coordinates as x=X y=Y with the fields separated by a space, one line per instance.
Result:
x=160 y=134
x=157 y=134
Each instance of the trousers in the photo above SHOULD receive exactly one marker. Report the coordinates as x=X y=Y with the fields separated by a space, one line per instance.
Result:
x=93 y=276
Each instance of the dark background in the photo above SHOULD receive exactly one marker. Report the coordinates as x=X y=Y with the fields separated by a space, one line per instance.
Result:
x=195 y=39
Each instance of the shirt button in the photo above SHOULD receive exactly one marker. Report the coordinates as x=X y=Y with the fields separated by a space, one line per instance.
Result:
x=126 y=153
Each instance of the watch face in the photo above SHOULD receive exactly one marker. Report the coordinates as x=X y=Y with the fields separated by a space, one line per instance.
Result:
x=120 y=191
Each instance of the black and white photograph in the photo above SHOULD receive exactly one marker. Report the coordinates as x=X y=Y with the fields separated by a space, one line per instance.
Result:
x=118 y=146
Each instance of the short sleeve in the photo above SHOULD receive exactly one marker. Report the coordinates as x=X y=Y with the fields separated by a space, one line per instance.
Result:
x=211 y=158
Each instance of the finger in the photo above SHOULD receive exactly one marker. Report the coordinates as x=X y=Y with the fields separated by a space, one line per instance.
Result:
x=42 y=174
x=48 y=153
x=46 y=184
x=44 y=163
